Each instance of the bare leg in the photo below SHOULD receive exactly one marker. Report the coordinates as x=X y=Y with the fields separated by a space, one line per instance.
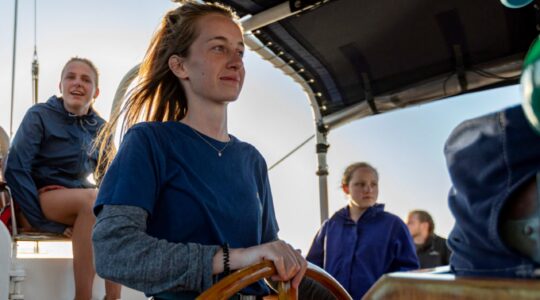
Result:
x=113 y=290
x=73 y=207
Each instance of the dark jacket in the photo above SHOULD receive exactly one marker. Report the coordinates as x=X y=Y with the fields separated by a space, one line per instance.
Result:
x=51 y=147
x=488 y=159
x=433 y=252
x=357 y=254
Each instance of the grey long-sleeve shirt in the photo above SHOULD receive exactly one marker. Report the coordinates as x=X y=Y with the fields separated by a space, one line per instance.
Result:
x=124 y=253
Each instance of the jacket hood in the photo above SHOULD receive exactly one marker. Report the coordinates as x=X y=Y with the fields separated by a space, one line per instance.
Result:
x=57 y=104
x=488 y=158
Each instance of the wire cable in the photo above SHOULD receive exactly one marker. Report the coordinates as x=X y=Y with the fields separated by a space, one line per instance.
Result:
x=487 y=74
x=13 y=69
x=291 y=152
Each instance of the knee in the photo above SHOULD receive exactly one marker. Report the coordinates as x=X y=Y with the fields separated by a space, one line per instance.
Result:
x=90 y=196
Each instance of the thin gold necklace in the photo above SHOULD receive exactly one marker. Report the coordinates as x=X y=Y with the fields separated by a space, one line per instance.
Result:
x=219 y=151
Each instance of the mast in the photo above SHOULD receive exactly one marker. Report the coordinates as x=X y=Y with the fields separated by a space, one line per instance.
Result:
x=13 y=70
x=35 y=63
x=35 y=77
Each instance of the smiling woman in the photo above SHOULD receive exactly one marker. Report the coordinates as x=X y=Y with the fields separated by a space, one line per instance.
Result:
x=49 y=161
x=79 y=85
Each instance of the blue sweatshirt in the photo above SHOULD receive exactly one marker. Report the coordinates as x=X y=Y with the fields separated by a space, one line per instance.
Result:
x=192 y=200
x=357 y=254
x=51 y=147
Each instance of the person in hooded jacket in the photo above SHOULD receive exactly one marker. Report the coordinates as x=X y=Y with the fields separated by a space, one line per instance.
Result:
x=49 y=162
x=494 y=165
x=361 y=241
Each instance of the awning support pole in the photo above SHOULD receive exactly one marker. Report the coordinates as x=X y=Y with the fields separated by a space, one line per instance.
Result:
x=322 y=171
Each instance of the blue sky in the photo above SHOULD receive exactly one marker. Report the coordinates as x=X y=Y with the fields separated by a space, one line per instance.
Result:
x=272 y=113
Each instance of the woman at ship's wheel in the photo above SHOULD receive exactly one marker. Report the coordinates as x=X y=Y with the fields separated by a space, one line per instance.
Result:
x=185 y=202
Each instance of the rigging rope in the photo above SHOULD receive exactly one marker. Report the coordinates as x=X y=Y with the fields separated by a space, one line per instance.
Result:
x=291 y=152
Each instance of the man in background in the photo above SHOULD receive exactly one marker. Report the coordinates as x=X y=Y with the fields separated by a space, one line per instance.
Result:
x=430 y=248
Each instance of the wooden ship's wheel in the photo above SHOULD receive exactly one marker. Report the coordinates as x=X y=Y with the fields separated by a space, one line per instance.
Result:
x=240 y=279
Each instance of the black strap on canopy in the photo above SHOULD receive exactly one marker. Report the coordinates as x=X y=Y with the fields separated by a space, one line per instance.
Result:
x=454 y=34
x=361 y=66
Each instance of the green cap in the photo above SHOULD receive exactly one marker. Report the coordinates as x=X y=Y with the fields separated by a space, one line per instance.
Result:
x=533 y=54
x=530 y=85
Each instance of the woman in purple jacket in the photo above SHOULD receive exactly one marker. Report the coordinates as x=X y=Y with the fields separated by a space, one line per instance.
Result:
x=361 y=241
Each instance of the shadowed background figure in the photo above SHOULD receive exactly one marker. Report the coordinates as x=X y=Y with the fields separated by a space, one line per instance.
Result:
x=431 y=249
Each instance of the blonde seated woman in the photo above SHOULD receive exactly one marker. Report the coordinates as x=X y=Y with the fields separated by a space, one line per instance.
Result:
x=48 y=164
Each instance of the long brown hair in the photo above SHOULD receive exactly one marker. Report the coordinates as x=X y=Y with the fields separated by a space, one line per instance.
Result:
x=159 y=96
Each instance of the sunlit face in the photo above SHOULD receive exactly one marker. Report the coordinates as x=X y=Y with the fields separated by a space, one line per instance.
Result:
x=214 y=70
x=414 y=225
x=78 y=87
x=363 y=188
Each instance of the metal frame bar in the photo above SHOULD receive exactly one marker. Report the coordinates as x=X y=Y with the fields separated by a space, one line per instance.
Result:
x=429 y=90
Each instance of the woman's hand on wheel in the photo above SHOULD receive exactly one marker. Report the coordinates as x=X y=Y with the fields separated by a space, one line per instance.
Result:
x=289 y=263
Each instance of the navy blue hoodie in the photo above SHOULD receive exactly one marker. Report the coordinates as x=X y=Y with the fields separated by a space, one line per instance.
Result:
x=488 y=158
x=51 y=147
